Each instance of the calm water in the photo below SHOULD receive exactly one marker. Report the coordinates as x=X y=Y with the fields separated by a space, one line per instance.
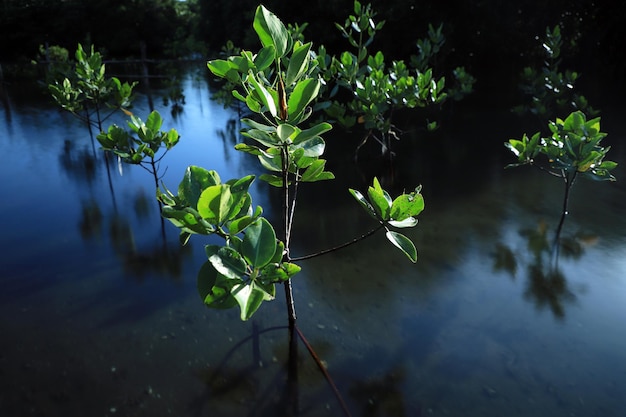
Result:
x=100 y=316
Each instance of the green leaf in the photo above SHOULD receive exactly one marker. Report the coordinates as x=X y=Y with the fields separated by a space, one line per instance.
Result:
x=264 y=58
x=363 y=202
x=406 y=205
x=195 y=180
x=188 y=220
x=314 y=131
x=380 y=200
x=266 y=98
x=315 y=172
x=303 y=93
x=271 y=31
x=259 y=243
x=215 y=203
x=403 y=243
x=228 y=262
x=262 y=136
x=298 y=63
x=273 y=180
x=214 y=291
x=408 y=222
x=249 y=298
x=313 y=147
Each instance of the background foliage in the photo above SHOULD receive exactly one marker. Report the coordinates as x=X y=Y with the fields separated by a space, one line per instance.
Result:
x=492 y=39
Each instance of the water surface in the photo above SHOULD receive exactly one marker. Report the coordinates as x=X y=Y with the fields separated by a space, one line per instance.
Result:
x=100 y=314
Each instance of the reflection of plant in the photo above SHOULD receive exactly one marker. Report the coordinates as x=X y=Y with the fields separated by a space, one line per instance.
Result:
x=572 y=149
x=86 y=91
x=141 y=149
x=551 y=91
x=546 y=285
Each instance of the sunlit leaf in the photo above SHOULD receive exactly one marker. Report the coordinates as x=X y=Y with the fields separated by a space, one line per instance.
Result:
x=259 y=243
x=403 y=243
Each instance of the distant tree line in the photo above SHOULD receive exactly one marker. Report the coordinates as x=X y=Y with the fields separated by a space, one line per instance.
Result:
x=487 y=36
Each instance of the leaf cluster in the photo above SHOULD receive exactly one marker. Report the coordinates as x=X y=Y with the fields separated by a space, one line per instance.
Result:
x=378 y=87
x=547 y=88
x=400 y=212
x=573 y=147
x=142 y=142
x=86 y=90
x=244 y=270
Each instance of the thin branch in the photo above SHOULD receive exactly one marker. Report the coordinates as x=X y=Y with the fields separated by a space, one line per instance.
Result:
x=343 y=245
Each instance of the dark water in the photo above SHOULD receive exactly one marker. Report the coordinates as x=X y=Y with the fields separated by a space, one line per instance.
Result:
x=100 y=316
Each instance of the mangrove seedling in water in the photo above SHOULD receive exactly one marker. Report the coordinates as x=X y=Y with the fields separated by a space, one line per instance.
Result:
x=278 y=84
x=88 y=93
x=573 y=149
x=548 y=90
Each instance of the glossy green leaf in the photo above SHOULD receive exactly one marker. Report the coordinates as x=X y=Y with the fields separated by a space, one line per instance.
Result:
x=312 y=132
x=195 y=180
x=303 y=93
x=380 y=200
x=406 y=205
x=363 y=202
x=298 y=63
x=271 y=31
x=249 y=298
x=259 y=243
x=264 y=95
x=273 y=180
x=403 y=243
x=213 y=289
x=215 y=203
x=313 y=147
x=315 y=172
x=228 y=262
x=265 y=58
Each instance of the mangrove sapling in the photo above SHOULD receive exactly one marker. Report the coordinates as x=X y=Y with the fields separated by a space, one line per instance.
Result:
x=548 y=90
x=378 y=88
x=573 y=149
x=87 y=93
x=278 y=84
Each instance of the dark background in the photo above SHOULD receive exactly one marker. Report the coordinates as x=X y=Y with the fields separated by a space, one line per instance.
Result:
x=493 y=39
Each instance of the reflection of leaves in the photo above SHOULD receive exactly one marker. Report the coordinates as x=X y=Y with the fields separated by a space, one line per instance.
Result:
x=79 y=165
x=504 y=259
x=546 y=286
x=162 y=260
x=90 y=224
x=548 y=289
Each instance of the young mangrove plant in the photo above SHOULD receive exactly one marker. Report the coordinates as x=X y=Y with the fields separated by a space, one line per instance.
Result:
x=88 y=93
x=571 y=150
x=377 y=88
x=278 y=84
x=548 y=90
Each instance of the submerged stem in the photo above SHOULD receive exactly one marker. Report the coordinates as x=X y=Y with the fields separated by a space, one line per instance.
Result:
x=569 y=182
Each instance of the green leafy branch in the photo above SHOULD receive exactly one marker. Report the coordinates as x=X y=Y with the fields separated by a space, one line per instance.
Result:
x=572 y=149
x=400 y=212
x=548 y=89
x=141 y=145
x=87 y=92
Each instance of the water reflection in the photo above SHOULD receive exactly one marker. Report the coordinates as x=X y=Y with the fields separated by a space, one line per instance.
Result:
x=93 y=290
x=546 y=285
